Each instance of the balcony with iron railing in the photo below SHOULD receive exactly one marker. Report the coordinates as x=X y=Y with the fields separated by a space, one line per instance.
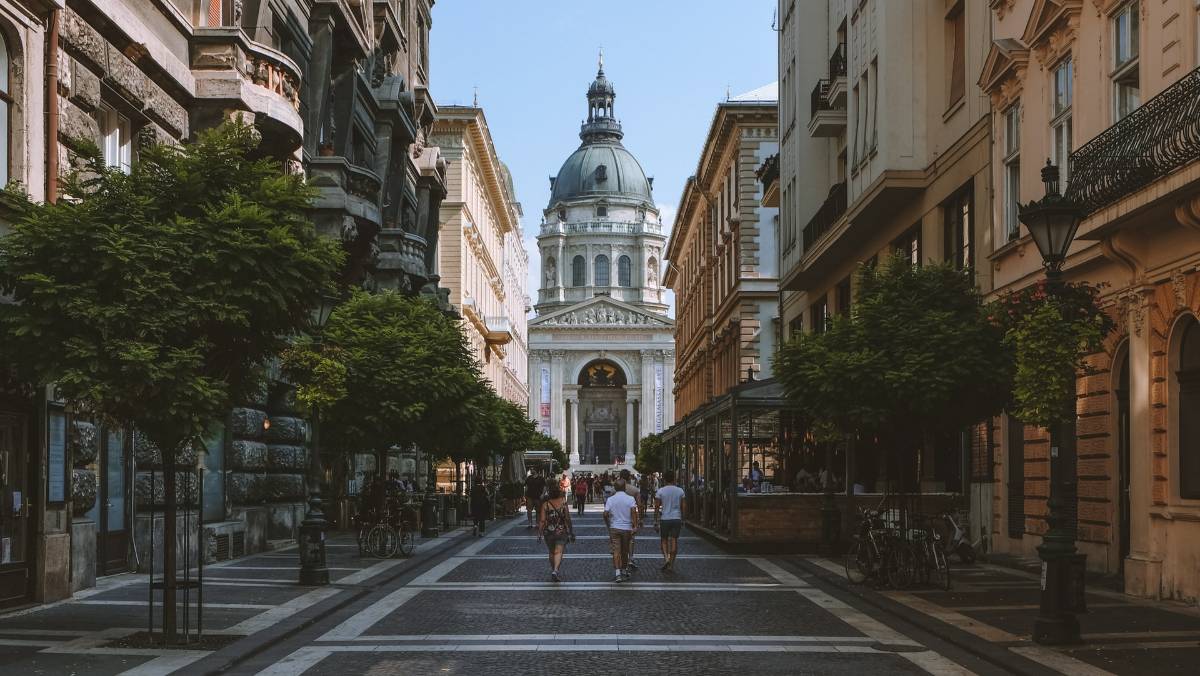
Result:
x=1157 y=139
x=825 y=119
x=822 y=222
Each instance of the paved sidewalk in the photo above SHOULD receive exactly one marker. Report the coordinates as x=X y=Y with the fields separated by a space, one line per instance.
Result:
x=991 y=610
x=254 y=597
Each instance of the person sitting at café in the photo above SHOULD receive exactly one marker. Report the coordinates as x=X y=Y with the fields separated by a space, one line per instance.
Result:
x=747 y=485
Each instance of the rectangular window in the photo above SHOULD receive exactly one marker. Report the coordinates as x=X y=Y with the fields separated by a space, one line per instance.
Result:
x=874 y=82
x=956 y=36
x=820 y=315
x=117 y=145
x=1060 y=123
x=843 y=297
x=1125 y=76
x=1012 y=171
x=909 y=244
x=960 y=238
x=855 y=154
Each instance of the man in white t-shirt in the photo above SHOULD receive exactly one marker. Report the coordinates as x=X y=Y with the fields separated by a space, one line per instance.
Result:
x=668 y=518
x=621 y=517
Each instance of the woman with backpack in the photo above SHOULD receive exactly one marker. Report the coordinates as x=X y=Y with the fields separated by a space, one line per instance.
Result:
x=554 y=525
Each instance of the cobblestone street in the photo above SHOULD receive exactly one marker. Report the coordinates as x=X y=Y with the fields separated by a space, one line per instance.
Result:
x=471 y=605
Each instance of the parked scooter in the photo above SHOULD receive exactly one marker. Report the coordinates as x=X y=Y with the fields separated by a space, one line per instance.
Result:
x=958 y=541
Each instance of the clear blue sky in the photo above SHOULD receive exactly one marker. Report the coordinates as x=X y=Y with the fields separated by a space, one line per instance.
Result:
x=532 y=60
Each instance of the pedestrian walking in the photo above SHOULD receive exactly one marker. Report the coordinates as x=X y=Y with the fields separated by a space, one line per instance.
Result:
x=581 y=492
x=621 y=518
x=631 y=489
x=555 y=527
x=668 y=518
x=481 y=503
x=535 y=485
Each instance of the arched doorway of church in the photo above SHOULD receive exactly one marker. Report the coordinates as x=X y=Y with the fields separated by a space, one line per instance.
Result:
x=604 y=417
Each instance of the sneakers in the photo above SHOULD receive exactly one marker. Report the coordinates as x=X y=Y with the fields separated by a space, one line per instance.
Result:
x=623 y=577
x=631 y=566
x=554 y=576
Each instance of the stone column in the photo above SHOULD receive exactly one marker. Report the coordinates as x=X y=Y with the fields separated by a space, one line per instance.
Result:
x=576 y=423
x=557 y=405
x=647 y=424
x=1143 y=567
x=630 y=433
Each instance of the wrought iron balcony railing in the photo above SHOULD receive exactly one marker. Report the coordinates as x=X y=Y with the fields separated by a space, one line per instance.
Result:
x=831 y=210
x=837 y=62
x=1156 y=139
x=819 y=101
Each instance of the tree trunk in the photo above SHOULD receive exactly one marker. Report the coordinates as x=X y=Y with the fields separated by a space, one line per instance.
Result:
x=168 y=448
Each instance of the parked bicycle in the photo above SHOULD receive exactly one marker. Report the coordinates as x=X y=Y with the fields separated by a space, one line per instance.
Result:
x=897 y=550
x=386 y=528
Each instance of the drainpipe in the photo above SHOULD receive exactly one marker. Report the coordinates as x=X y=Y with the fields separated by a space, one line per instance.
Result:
x=52 y=109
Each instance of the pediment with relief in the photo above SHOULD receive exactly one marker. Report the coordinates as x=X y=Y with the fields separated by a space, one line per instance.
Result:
x=1051 y=28
x=602 y=313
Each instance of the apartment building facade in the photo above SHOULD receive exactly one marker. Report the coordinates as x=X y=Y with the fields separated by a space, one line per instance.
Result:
x=724 y=262
x=481 y=258
x=1109 y=91
x=338 y=90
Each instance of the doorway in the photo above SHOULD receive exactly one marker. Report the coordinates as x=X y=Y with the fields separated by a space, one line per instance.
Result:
x=112 y=537
x=602 y=444
x=1123 y=439
x=15 y=552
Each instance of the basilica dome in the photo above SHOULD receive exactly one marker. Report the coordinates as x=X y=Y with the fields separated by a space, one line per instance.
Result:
x=601 y=166
x=598 y=170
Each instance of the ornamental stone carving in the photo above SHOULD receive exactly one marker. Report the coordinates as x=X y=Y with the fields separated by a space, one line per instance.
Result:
x=601 y=316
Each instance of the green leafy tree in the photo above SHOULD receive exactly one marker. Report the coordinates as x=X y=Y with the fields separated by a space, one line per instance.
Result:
x=150 y=299
x=1050 y=332
x=650 y=454
x=916 y=357
x=409 y=376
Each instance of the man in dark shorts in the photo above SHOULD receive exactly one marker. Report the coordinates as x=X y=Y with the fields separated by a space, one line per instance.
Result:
x=668 y=518
x=535 y=485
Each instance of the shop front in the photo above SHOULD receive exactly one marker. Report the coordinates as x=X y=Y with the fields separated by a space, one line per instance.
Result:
x=16 y=550
x=753 y=476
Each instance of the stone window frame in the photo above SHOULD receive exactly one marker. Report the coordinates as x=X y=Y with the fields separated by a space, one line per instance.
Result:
x=113 y=122
x=14 y=96
x=1125 y=73
x=1061 y=118
x=624 y=271
x=1011 y=172
x=602 y=271
x=579 y=270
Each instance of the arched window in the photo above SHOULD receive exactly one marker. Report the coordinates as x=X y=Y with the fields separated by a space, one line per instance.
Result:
x=602 y=271
x=578 y=271
x=5 y=110
x=624 y=273
x=1189 y=409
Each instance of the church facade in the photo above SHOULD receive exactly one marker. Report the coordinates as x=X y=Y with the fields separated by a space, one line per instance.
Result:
x=601 y=348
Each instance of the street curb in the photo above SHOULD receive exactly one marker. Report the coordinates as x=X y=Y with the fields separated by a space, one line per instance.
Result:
x=234 y=655
x=993 y=654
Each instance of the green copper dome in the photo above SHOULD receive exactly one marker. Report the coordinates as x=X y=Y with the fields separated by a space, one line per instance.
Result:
x=601 y=166
x=600 y=169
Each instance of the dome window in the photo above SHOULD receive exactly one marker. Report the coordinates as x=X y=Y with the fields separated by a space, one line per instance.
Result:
x=602 y=211
x=562 y=215
x=601 y=173
x=641 y=214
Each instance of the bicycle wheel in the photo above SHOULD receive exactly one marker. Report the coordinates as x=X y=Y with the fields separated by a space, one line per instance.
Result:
x=406 y=542
x=902 y=566
x=858 y=564
x=382 y=542
x=940 y=571
x=361 y=538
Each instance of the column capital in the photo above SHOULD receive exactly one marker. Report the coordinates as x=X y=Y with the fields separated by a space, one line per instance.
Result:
x=646 y=353
x=557 y=355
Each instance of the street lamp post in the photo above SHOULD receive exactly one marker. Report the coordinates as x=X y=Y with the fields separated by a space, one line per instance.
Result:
x=313 y=569
x=1052 y=222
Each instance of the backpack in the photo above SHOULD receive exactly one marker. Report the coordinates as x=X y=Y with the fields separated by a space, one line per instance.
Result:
x=556 y=524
